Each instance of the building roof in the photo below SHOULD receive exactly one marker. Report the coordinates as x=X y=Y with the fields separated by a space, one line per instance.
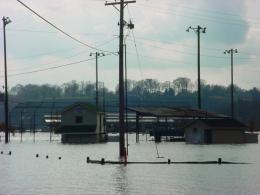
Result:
x=82 y=105
x=174 y=112
x=224 y=123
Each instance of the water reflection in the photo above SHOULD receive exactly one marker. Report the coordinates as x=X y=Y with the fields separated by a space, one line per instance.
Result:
x=120 y=179
x=23 y=173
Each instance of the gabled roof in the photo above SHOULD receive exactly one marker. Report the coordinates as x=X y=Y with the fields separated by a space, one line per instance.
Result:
x=82 y=105
x=224 y=123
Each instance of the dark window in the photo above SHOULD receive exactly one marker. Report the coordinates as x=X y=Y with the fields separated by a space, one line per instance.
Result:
x=79 y=119
x=194 y=130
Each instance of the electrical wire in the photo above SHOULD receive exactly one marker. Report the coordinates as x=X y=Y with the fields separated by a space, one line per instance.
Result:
x=221 y=19
x=42 y=54
x=53 y=67
x=212 y=11
x=136 y=50
x=48 y=63
x=62 y=31
x=191 y=53
x=193 y=16
x=50 y=68
x=69 y=57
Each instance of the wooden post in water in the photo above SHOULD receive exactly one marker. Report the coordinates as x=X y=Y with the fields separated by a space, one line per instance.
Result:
x=51 y=126
x=137 y=127
x=21 y=126
x=34 y=126
x=102 y=161
x=10 y=125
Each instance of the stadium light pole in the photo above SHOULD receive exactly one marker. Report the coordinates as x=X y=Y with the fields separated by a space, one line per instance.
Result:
x=198 y=30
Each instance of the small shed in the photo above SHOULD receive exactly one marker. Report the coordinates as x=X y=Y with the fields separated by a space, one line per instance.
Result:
x=82 y=123
x=215 y=131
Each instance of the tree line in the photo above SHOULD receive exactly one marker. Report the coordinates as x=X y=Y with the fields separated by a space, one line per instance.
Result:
x=181 y=92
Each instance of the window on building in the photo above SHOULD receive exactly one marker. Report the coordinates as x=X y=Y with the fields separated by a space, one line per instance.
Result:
x=195 y=130
x=79 y=119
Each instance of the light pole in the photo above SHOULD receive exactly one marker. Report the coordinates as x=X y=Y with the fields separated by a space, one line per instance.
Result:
x=6 y=21
x=198 y=30
x=97 y=54
x=231 y=52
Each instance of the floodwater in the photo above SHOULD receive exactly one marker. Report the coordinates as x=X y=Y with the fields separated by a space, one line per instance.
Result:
x=23 y=173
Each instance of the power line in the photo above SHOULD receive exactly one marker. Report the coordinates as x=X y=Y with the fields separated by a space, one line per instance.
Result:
x=50 y=68
x=159 y=58
x=189 y=45
x=136 y=50
x=52 y=62
x=209 y=14
x=191 y=53
x=54 y=32
x=59 y=51
x=212 y=11
x=43 y=54
x=210 y=19
x=69 y=57
x=62 y=31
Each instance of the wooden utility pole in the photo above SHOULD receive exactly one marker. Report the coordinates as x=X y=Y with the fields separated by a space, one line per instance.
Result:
x=198 y=30
x=122 y=5
x=97 y=54
x=6 y=21
x=126 y=102
x=231 y=52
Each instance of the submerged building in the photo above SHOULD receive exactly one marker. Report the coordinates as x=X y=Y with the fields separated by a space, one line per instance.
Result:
x=218 y=131
x=82 y=123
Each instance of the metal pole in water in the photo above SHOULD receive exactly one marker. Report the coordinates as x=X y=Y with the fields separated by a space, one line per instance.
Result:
x=21 y=126
x=34 y=127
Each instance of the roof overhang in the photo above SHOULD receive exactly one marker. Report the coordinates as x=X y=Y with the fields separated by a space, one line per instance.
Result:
x=174 y=112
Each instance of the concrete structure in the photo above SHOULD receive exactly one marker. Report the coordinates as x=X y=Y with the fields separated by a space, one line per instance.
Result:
x=218 y=131
x=82 y=123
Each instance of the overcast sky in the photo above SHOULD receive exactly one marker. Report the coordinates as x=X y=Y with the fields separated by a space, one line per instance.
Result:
x=164 y=50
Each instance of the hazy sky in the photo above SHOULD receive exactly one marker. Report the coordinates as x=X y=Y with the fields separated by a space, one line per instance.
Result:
x=166 y=51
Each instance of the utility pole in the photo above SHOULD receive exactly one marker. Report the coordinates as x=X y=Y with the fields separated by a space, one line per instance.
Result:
x=126 y=101
x=198 y=30
x=122 y=5
x=97 y=54
x=6 y=21
x=104 y=105
x=231 y=52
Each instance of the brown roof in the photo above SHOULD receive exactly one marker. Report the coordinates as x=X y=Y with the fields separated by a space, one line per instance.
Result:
x=174 y=112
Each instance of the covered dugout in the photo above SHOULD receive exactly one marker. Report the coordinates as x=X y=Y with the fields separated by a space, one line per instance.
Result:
x=167 y=121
